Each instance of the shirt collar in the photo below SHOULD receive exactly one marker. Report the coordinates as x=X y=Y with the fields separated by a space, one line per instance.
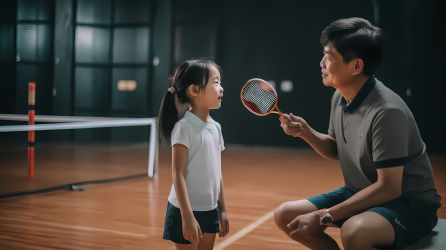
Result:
x=360 y=97
x=197 y=120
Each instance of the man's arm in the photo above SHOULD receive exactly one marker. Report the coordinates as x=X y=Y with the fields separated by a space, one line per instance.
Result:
x=387 y=188
x=324 y=144
x=390 y=140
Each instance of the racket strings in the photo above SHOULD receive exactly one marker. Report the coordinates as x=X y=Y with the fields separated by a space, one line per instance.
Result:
x=259 y=99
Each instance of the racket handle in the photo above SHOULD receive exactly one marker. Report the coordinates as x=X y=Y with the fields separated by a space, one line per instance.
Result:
x=284 y=116
x=281 y=114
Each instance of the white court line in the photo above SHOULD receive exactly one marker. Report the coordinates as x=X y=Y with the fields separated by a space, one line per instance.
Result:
x=77 y=227
x=244 y=231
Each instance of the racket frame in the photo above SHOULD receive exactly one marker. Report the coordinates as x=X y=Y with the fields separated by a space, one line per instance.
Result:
x=272 y=110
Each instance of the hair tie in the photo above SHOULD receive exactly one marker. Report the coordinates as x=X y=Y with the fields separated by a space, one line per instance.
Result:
x=171 y=90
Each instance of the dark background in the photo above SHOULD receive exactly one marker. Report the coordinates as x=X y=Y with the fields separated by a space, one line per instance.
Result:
x=77 y=50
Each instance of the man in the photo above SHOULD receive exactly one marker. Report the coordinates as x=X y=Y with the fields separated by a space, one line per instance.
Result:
x=389 y=198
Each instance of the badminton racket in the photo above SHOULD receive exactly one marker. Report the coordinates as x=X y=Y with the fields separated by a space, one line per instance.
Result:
x=259 y=97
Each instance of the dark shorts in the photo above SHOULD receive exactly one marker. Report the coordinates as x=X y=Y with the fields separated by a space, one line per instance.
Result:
x=173 y=225
x=411 y=218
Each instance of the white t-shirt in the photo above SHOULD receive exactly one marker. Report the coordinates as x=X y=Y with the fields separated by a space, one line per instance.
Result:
x=205 y=143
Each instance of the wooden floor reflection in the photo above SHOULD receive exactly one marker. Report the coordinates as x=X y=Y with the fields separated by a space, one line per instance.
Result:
x=130 y=214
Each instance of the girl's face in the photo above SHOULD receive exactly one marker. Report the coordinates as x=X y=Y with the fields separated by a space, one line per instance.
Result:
x=211 y=96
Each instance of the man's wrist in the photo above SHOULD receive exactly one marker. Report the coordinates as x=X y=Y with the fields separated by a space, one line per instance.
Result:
x=307 y=132
x=325 y=217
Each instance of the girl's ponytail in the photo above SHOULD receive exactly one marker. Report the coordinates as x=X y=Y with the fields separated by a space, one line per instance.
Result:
x=168 y=115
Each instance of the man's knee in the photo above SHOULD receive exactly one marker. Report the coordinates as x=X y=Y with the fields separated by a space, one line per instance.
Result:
x=288 y=211
x=354 y=233
x=280 y=216
x=366 y=230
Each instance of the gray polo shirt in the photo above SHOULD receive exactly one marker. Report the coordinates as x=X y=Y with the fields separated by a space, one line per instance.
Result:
x=377 y=130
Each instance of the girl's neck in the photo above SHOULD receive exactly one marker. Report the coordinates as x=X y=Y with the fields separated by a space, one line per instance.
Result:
x=201 y=113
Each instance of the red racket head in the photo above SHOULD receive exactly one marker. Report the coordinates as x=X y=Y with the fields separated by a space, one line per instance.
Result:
x=259 y=97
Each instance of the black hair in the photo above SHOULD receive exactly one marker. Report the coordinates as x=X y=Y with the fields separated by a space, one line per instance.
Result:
x=356 y=38
x=174 y=105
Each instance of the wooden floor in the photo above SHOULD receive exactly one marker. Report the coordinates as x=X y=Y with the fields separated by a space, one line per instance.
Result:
x=130 y=214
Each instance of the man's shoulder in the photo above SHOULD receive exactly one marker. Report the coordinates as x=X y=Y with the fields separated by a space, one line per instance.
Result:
x=386 y=100
x=387 y=106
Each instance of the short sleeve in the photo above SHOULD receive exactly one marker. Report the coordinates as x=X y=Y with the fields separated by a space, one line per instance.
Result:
x=222 y=141
x=390 y=139
x=182 y=134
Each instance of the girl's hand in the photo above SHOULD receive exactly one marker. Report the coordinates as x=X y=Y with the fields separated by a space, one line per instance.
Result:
x=224 y=225
x=192 y=230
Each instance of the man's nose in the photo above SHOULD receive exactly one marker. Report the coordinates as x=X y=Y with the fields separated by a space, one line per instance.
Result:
x=322 y=64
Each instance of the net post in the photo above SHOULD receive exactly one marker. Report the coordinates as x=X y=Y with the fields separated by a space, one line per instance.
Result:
x=31 y=134
x=153 y=151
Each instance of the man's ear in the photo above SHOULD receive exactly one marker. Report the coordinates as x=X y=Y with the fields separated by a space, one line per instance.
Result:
x=193 y=90
x=358 y=66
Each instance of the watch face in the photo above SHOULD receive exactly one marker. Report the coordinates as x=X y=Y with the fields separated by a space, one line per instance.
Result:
x=326 y=220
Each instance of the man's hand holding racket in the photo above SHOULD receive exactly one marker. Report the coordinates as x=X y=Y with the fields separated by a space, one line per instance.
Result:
x=324 y=144
x=298 y=127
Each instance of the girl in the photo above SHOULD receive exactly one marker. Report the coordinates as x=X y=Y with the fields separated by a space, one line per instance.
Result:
x=196 y=210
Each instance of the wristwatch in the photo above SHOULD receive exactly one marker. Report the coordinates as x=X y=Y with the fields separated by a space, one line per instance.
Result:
x=326 y=218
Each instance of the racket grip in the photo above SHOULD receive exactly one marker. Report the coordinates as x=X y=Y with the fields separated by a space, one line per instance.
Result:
x=289 y=118
x=286 y=117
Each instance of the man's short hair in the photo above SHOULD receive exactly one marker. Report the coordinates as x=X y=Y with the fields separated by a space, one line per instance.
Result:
x=356 y=38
